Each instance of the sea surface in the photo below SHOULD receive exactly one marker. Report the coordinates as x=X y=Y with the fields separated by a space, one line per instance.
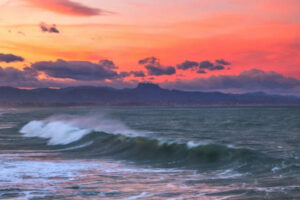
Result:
x=150 y=153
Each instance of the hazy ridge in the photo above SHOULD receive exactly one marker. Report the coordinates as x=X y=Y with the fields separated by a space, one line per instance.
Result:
x=143 y=94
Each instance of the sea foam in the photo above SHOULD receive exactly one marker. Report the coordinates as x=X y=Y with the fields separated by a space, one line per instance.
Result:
x=65 y=129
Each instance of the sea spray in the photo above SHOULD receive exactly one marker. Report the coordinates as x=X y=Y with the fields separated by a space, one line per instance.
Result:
x=65 y=129
x=58 y=132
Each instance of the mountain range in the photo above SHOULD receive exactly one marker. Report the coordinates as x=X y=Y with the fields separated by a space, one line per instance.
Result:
x=143 y=94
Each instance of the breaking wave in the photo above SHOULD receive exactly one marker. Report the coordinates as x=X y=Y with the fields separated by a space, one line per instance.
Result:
x=65 y=129
x=101 y=137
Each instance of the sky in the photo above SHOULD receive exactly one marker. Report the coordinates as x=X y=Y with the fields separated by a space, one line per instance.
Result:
x=196 y=45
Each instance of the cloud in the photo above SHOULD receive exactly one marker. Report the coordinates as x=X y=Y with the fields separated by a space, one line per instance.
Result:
x=14 y=77
x=102 y=74
x=77 y=70
x=217 y=67
x=201 y=71
x=149 y=60
x=62 y=73
x=123 y=74
x=222 y=62
x=53 y=29
x=28 y=77
x=188 y=65
x=138 y=73
x=203 y=66
x=154 y=68
x=50 y=29
x=252 y=80
x=207 y=65
x=134 y=73
x=108 y=64
x=159 y=71
x=8 y=58
x=66 y=7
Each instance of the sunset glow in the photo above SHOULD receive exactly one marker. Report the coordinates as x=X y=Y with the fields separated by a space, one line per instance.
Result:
x=262 y=35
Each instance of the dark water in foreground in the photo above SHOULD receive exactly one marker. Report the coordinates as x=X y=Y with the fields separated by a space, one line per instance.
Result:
x=150 y=153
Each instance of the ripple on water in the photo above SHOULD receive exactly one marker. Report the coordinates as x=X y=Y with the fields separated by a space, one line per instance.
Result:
x=62 y=179
x=7 y=125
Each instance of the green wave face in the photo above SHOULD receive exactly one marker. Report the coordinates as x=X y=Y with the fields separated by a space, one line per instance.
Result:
x=93 y=140
x=161 y=154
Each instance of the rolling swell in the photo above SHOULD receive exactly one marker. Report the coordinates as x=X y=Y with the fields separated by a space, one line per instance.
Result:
x=74 y=138
x=155 y=152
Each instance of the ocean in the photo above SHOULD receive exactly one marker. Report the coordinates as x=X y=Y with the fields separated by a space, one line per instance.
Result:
x=150 y=153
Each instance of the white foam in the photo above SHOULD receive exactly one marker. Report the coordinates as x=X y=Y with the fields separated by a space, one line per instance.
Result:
x=192 y=144
x=142 y=195
x=58 y=132
x=77 y=147
x=15 y=171
x=275 y=169
x=65 y=129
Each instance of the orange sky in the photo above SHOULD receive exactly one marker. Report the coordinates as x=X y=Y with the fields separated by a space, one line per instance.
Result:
x=261 y=34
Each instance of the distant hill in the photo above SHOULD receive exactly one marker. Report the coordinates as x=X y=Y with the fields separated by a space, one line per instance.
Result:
x=143 y=94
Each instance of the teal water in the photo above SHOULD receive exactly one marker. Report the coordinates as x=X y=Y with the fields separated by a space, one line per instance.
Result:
x=150 y=153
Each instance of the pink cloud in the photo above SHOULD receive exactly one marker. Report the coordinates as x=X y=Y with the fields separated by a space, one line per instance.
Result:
x=66 y=7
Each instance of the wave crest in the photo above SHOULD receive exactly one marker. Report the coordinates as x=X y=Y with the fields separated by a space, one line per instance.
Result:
x=65 y=129
x=90 y=137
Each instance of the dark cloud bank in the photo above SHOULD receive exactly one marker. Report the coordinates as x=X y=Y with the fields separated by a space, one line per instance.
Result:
x=154 y=67
x=77 y=70
x=203 y=66
x=246 y=81
x=8 y=58
x=104 y=73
